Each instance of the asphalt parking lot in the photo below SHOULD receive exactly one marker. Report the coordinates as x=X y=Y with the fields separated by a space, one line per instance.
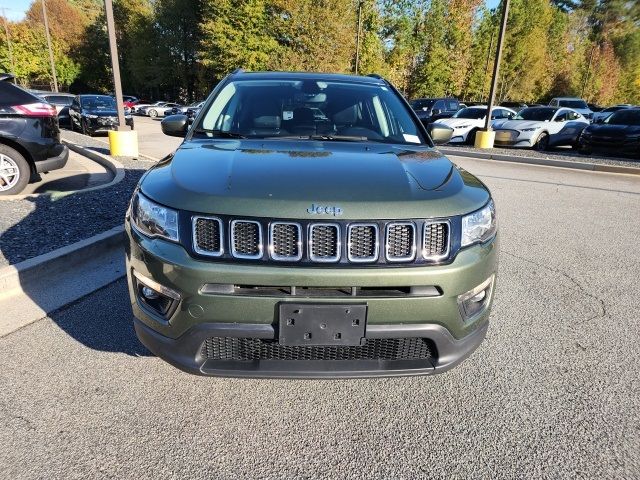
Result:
x=553 y=392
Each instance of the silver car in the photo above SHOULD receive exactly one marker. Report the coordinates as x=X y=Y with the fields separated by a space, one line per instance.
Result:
x=541 y=128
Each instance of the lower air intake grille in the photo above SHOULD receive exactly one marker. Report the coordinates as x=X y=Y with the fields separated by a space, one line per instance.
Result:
x=436 y=240
x=401 y=241
x=246 y=241
x=227 y=348
x=207 y=235
x=324 y=243
x=285 y=241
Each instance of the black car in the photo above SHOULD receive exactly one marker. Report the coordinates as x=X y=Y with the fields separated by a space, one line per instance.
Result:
x=29 y=137
x=619 y=133
x=62 y=102
x=431 y=109
x=94 y=113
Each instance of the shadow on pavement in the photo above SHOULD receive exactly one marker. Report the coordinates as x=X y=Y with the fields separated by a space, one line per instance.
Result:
x=36 y=225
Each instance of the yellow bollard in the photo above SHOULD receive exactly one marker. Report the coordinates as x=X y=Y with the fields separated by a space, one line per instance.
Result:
x=123 y=143
x=484 y=139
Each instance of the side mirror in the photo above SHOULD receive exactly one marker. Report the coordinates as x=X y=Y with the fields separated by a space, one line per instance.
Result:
x=440 y=134
x=175 y=125
x=436 y=111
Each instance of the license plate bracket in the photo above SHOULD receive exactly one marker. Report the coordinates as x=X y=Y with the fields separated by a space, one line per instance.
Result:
x=321 y=324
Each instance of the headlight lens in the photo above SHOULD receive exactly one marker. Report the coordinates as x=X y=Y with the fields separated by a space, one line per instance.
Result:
x=530 y=129
x=154 y=220
x=479 y=226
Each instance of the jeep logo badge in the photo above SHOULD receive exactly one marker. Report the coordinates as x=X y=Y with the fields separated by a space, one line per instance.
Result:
x=324 y=210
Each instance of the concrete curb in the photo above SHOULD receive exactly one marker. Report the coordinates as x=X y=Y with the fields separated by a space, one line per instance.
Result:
x=594 y=167
x=21 y=276
x=115 y=167
x=109 y=163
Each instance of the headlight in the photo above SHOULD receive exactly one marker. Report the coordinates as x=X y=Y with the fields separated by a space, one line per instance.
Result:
x=479 y=226
x=91 y=116
x=152 y=219
x=529 y=129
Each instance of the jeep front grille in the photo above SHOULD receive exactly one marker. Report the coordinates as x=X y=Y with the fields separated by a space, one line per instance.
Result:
x=285 y=241
x=207 y=236
x=341 y=242
x=435 y=243
x=401 y=242
x=246 y=239
x=243 y=349
x=324 y=242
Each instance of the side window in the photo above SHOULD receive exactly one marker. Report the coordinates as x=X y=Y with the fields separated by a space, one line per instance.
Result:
x=439 y=105
x=498 y=113
x=562 y=116
x=574 y=116
x=453 y=105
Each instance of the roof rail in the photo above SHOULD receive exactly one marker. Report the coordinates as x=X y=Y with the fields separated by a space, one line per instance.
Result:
x=375 y=75
x=237 y=70
x=6 y=76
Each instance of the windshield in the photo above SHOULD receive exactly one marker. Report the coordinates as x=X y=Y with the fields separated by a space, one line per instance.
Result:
x=308 y=109
x=573 y=103
x=420 y=104
x=471 y=113
x=625 y=117
x=539 y=114
x=99 y=102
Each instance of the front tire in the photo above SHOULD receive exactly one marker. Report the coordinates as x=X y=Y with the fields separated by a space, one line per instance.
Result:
x=471 y=138
x=14 y=171
x=153 y=113
x=542 y=142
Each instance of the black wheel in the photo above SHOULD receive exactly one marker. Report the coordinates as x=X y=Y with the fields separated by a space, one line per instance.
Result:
x=471 y=137
x=14 y=171
x=542 y=142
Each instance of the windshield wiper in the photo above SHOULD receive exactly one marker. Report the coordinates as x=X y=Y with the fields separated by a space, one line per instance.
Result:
x=219 y=133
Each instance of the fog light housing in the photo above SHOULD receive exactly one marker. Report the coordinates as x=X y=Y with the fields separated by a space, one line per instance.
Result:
x=158 y=299
x=474 y=302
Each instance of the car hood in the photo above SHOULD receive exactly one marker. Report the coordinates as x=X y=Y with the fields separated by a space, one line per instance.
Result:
x=522 y=124
x=613 y=130
x=276 y=178
x=458 y=122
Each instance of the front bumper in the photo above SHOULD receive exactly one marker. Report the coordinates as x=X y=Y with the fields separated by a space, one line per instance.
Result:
x=104 y=124
x=199 y=316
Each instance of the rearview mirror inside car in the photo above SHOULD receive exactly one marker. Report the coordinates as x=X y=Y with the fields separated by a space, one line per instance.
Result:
x=175 y=125
x=440 y=134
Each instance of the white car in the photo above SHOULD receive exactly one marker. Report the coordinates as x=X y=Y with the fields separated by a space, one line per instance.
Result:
x=469 y=120
x=541 y=128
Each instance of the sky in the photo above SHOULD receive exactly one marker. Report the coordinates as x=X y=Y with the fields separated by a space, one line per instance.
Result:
x=15 y=9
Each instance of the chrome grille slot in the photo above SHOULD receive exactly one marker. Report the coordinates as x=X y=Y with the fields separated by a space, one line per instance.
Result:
x=207 y=236
x=285 y=241
x=401 y=242
x=246 y=239
x=435 y=241
x=324 y=242
x=363 y=242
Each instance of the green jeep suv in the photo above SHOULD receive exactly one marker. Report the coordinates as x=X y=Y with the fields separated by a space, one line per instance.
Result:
x=307 y=227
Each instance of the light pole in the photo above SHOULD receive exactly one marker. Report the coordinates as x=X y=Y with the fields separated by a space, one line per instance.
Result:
x=6 y=31
x=46 y=30
x=358 y=36
x=121 y=142
x=486 y=137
